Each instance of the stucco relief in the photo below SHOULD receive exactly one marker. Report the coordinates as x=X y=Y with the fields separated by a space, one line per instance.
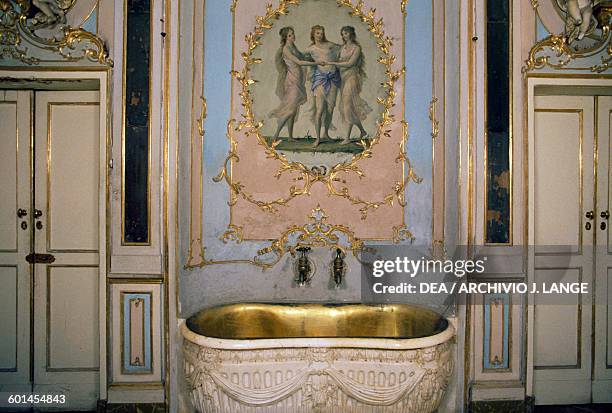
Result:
x=580 y=37
x=318 y=379
x=35 y=32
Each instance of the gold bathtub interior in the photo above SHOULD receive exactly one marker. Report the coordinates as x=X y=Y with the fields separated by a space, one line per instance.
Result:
x=269 y=321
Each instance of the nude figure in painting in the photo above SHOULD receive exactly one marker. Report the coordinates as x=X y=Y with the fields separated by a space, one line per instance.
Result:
x=353 y=109
x=325 y=80
x=290 y=85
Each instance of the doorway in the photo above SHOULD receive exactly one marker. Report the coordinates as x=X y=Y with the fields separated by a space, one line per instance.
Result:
x=570 y=196
x=50 y=151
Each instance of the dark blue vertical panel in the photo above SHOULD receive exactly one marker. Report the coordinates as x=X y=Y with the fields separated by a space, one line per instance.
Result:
x=136 y=128
x=498 y=122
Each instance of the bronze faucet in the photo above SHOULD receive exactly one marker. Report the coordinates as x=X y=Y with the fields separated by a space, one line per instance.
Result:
x=338 y=268
x=303 y=267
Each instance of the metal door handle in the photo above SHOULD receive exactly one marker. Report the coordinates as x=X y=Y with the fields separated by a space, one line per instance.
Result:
x=37 y=213
x=589 y=215
x=605 y=215
x=40 y=258
x=21 y=213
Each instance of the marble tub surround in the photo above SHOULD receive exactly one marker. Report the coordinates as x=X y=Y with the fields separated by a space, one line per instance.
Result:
x=331 y=358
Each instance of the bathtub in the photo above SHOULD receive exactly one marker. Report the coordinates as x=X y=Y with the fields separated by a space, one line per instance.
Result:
x=258 y=357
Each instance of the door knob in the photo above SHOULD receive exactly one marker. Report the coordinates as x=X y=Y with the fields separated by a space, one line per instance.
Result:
x=605 y=215
x=589 y=215
x=21 y=213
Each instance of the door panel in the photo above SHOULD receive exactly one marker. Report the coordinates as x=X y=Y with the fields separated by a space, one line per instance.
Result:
x=9 y=154
x=70 y=348
x=559 y=345
x=558 y=190
x=602 y=383
x=72 y=182
x=8 y=322
x=563 y=195
x=15 y=273
x=66 y=332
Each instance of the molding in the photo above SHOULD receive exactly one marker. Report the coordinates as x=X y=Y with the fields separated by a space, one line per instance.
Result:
x=502 y=406
x=105 y=407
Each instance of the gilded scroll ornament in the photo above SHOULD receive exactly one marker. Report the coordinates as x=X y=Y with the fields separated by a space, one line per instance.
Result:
x=233 y=233
x=21 y=21
x=308 y=179
x=317 y=233
x=561 y=54
x=554 y=52
x=435 y=124
x=401 y=233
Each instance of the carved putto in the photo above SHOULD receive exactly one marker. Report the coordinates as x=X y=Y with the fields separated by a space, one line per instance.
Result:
x=579 y=19
x=48 y=13
x=37 y=14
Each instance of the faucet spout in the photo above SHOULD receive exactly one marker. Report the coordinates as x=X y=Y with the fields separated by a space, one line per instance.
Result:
x=338 y=268
x=303 y=268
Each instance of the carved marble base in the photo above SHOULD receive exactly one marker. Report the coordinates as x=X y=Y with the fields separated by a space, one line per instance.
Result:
x=318 y=379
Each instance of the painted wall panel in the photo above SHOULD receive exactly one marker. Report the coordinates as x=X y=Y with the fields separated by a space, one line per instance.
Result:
x=136 y=318
x=136 y=332
x=496 y=331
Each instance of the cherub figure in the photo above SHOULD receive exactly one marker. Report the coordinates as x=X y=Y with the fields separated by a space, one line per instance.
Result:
x=578 y=18
x=51 y=12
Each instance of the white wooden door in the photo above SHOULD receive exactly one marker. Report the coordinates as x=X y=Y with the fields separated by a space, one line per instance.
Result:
x=15 y=237
x=563 y=209
x=49 y=204
x=602 y=379
x=66 y=322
